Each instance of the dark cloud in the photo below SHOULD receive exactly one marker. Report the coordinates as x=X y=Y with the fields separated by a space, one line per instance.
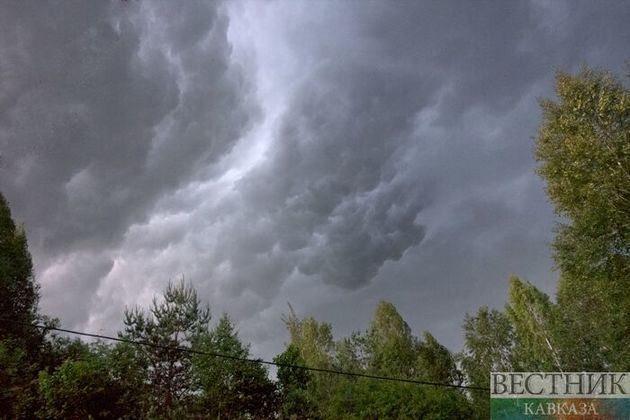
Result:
x=109 y=105
x=437 y=101
x=331 y=184
x=326 y=153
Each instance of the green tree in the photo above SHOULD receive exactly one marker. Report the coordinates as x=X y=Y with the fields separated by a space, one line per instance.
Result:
x=83 y=388
x=351 y=353
x=177 y=321
x=18 y=392
x=583 y=147
x=533 y=317
x=20 y=342
x=293 y=384
x=391 y=346
x=314 y=340
x=128 y=366
x=436 y=363
x=19 y=294
x=371 y=399
x=488 y=346
x=231 y=388
x=387 y=348
x=584 y=152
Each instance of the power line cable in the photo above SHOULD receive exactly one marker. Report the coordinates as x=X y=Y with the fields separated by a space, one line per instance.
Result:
x=266 y=362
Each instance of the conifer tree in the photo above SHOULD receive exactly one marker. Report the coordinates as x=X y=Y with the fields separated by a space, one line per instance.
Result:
x=19 y=294
x=176 y=321
x=20 y=341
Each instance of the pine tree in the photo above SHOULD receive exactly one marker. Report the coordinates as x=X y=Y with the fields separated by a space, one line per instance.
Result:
x=20 y=341
x=177 y=321
x=19 y=294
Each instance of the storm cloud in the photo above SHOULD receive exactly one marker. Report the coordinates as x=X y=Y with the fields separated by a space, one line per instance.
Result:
x=325 y=153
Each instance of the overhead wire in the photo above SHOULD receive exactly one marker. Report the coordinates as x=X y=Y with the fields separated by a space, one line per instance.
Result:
x=261 y=361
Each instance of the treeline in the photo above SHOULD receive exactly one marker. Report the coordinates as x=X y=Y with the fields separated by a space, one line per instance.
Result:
x=583 y=147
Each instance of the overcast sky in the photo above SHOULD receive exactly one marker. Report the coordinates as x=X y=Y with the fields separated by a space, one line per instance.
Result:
x=324 y=153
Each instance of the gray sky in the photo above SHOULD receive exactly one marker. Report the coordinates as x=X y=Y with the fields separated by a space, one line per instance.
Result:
x=327 y=154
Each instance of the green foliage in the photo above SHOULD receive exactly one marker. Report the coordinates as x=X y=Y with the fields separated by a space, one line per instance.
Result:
x=313 y=338
x=231 y=388
x=390 y=344
x=20 y=342
x=594 y=323
x=488 y=346
x=387 y=348
x=17 y=393
x=293 y=384
x=584 y=152
x=177 y=321
x=370 y=399
x=435 y=363
x=315 y=342
x=130 y=373
x=19 y=293
x=583 y=147
x=534 y=319
x=289 y=376
x=80 y=389
x=351 y=354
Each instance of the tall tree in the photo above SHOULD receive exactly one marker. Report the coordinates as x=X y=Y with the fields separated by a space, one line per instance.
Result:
x=231 y=388
x=19 y=294
x=178 y=320
x=84 y=388
x=370 y=399
x=20 y=341
x=583 y=147
x=351 y=353
x=293 y=384
x=436 y=363
x=488 y=346
x=387 y=348
x=128 y=367
x=314 y=340
x=584 y=150
x=390 y=344
x=534 y=319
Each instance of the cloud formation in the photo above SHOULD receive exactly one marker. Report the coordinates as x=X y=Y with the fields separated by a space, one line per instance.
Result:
x=107 y=106
x=330 y=154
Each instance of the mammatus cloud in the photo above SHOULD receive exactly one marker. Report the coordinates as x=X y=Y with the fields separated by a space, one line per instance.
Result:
x=107 y=107
x=330 y=154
